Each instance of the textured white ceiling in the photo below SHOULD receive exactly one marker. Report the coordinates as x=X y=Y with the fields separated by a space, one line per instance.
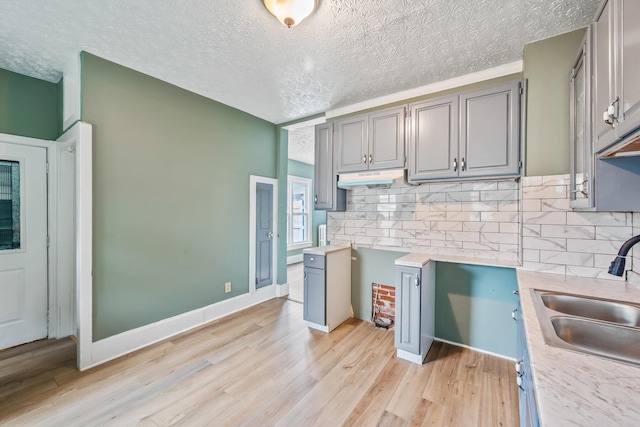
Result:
x=301 y=141
x=233 y=51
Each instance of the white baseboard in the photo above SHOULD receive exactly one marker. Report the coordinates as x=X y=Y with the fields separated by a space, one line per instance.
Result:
x=479 y=350
x=282 y=289
x=295 y=258
x=118 y=345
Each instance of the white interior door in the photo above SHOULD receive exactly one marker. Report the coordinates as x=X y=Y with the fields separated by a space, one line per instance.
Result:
x=23 y=244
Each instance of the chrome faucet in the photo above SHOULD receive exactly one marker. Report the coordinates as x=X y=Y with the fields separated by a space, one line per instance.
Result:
x=617 y=265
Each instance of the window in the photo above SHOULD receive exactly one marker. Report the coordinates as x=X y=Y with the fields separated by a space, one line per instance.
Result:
x=9 y=205
x=298 y=212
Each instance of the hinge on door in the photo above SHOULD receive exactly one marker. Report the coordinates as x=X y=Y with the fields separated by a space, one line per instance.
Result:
x=256 y=280
x=520 y=163
x=47 y=167
x=521 y=90
x=48 y=240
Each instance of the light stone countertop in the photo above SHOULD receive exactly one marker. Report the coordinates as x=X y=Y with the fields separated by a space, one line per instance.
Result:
x=323 y=250
x=575 y=388
x=418 y=259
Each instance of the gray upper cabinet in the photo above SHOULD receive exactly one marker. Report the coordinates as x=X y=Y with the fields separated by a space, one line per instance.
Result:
x=604 y=71
x=386 y=139
x=616 y=51
x=489 y=131
x=629 y=16
x=433 y=142
x=474 y=134
x=352 y=144
x=581 y=148
x=327 y=196
x=371 y=142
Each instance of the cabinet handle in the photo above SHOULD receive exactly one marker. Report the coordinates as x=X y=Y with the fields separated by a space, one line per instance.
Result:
x=514 y=314
x=462 y=165
x=609 y=116
x=370 y=158
x=455 y=164
x=364 y=159
x=305 y=274
x=315 y=199
x=417 y=282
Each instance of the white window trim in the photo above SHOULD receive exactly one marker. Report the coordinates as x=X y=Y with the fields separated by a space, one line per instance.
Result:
x=309 y=242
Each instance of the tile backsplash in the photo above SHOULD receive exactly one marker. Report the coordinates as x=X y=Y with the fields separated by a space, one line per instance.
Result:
x=528 y=221
x=476 y=219
x=556 y=239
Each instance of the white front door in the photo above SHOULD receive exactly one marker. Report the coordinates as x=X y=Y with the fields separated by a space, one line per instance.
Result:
x=23 y=244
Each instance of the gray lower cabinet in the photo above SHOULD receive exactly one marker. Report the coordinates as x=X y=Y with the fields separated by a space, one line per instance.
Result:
x=526 y=393
x=371 y=141
x=327 y=195
x=415 y=311
x=327 y=287
x=470 y=135
x=315 y=295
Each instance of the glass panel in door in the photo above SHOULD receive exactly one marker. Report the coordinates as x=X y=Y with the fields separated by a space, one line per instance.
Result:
x=9 y=205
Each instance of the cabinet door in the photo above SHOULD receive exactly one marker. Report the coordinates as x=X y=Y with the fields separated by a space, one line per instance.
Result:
x=629 y=16
x=352 y=144
x=315 y=296
x=604 y=76
x=407 y=334
x=386 y=139
x=581 y=148
x=433 y=141
x=490 y=131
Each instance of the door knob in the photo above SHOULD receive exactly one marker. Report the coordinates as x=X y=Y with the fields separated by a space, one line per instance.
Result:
x=270 y=234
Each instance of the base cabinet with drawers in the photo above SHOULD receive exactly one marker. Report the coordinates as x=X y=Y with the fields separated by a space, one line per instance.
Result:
x=327 y=287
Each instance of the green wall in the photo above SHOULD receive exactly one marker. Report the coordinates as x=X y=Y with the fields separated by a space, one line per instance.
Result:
x=370 y=266
x=305 y=170
x=282 y=138
x=474 y=305
x=547 y=64
x=170 y=196
x=29 y=107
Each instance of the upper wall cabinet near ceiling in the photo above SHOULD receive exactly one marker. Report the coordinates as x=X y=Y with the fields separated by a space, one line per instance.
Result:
x=371 y=141
x=470 y=135
x=327 y=196
x=616 y=50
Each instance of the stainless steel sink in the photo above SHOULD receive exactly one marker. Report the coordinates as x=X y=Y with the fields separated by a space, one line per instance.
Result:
x=603 y=339
x=597 y=309
x=601 y=327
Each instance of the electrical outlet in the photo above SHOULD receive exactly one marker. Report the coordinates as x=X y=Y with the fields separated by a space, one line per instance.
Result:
x=227 y=287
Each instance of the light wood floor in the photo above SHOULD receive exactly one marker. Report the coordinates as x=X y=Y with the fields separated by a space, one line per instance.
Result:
x=259 y=367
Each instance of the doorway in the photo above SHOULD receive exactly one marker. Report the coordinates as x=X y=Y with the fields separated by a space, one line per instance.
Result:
x=263 y=232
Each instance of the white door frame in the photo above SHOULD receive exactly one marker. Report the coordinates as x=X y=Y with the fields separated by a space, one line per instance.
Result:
x=253 y=181
x=54 y=321
x=79 y=136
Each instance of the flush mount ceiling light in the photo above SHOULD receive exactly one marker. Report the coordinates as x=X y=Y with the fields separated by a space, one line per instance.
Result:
x=290 y=12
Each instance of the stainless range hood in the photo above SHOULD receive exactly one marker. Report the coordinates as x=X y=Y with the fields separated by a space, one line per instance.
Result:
x=376 y=179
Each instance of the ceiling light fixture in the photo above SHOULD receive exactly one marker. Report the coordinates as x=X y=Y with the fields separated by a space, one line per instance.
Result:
x=290 y=12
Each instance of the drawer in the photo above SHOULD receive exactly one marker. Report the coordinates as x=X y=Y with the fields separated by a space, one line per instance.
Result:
x=314 y=261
